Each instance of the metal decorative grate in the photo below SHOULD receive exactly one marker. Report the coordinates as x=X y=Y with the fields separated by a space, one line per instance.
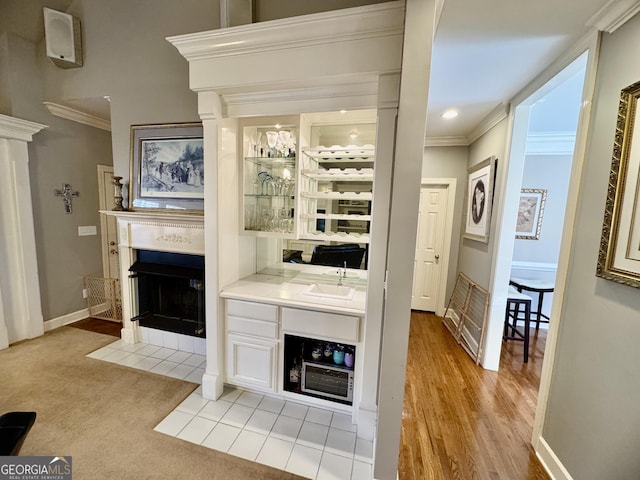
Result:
x=103 y=300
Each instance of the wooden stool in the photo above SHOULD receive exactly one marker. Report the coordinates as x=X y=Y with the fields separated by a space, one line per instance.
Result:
x=518 y=308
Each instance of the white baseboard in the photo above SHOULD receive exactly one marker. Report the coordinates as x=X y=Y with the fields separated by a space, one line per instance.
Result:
x=66 y=319
x=551 y=462
x=367 y=422
x=471 y=342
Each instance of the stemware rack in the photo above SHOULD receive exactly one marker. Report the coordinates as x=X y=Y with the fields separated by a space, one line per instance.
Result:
x=335 y=193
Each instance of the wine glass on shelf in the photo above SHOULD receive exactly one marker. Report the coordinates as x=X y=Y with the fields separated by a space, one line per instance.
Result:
x=284 y=138
x=255 y=183
x=264 y=177
x=279 y=186
x=256 y=140
x=272 y=140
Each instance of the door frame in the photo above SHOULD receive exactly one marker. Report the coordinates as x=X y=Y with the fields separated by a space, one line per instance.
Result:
x=590 y=44
x=450 y=185
x=102 y=170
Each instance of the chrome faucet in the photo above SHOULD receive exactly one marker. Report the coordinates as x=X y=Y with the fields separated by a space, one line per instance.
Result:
x=342 y=273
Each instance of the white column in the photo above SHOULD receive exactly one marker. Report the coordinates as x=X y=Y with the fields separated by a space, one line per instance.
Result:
x=388 y=91
x=21 y=315
x=403 y=220
x=210 y=110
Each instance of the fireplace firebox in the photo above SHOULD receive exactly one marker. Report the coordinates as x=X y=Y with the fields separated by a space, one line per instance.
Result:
x=170 y=292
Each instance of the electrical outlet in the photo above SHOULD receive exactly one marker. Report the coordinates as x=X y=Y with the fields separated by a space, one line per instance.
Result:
x=85 y=293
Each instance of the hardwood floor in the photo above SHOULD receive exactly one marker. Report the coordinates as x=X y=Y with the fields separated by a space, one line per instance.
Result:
x=461 y=421
x=100 y=326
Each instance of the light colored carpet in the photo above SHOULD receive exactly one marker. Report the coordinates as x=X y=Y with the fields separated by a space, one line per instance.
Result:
x=103 y=414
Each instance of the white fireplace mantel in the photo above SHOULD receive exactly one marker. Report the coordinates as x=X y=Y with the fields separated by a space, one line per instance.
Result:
x=20 y=307
x=159 y=231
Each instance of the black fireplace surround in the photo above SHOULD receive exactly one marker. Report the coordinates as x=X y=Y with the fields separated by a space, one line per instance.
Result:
x=170 y=292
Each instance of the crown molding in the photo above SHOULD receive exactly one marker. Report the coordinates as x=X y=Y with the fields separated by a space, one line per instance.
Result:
x=77 y=116
x=452 y=141
x=550 y=143
x=613 y=15
x=350 y=24
x=293 y=100
x=18 y=129
x=495 y=116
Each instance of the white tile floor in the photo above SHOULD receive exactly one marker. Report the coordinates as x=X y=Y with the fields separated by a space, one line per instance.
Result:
x=308 y=441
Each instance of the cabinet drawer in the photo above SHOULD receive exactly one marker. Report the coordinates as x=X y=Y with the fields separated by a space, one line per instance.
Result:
x=330 y=325
x=249 y=326
x=258 y=311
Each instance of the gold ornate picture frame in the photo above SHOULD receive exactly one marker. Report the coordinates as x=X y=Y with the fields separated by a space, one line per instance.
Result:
x=619 y=255
x=530 y=212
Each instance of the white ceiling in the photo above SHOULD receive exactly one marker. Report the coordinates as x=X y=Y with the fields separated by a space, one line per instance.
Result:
x=486 y=51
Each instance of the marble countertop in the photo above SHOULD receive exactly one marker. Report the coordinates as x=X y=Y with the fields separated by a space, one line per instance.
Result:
x=286 y=287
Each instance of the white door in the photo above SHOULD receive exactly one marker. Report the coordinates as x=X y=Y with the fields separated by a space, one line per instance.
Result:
x=108 y=226
x=429 y=247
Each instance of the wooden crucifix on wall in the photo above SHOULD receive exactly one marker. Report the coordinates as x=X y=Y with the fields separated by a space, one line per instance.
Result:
x=67 y=194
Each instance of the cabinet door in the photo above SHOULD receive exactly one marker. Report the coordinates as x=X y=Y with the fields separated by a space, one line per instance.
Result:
x=251 y=362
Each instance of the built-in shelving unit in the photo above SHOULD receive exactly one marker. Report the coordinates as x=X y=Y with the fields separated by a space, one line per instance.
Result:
x=336 y=189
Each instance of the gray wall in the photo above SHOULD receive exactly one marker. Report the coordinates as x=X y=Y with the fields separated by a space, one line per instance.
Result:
x=127 y=57
x=475 y=257
x=593 y=419
x=449 y=162
x=273 y=9
x=65 y=152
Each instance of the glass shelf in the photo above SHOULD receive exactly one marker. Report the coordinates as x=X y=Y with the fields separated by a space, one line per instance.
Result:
x=269 y=184
x=272 y=160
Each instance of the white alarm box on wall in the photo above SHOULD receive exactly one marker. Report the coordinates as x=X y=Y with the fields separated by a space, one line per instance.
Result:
x=63 y=38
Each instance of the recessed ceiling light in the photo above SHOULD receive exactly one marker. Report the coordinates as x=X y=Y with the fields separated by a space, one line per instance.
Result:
x=343 y=111
x=449 y=114
x=278 y=126
x=353 y=134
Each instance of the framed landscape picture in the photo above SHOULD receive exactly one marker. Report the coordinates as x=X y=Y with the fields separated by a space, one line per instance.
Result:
x=478 y=202
x=530 y=212
x=167 y=167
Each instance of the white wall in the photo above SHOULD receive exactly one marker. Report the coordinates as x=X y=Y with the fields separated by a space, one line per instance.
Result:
x=593 y=419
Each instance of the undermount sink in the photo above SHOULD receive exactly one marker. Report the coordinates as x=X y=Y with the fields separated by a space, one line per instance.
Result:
x=341 y=292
